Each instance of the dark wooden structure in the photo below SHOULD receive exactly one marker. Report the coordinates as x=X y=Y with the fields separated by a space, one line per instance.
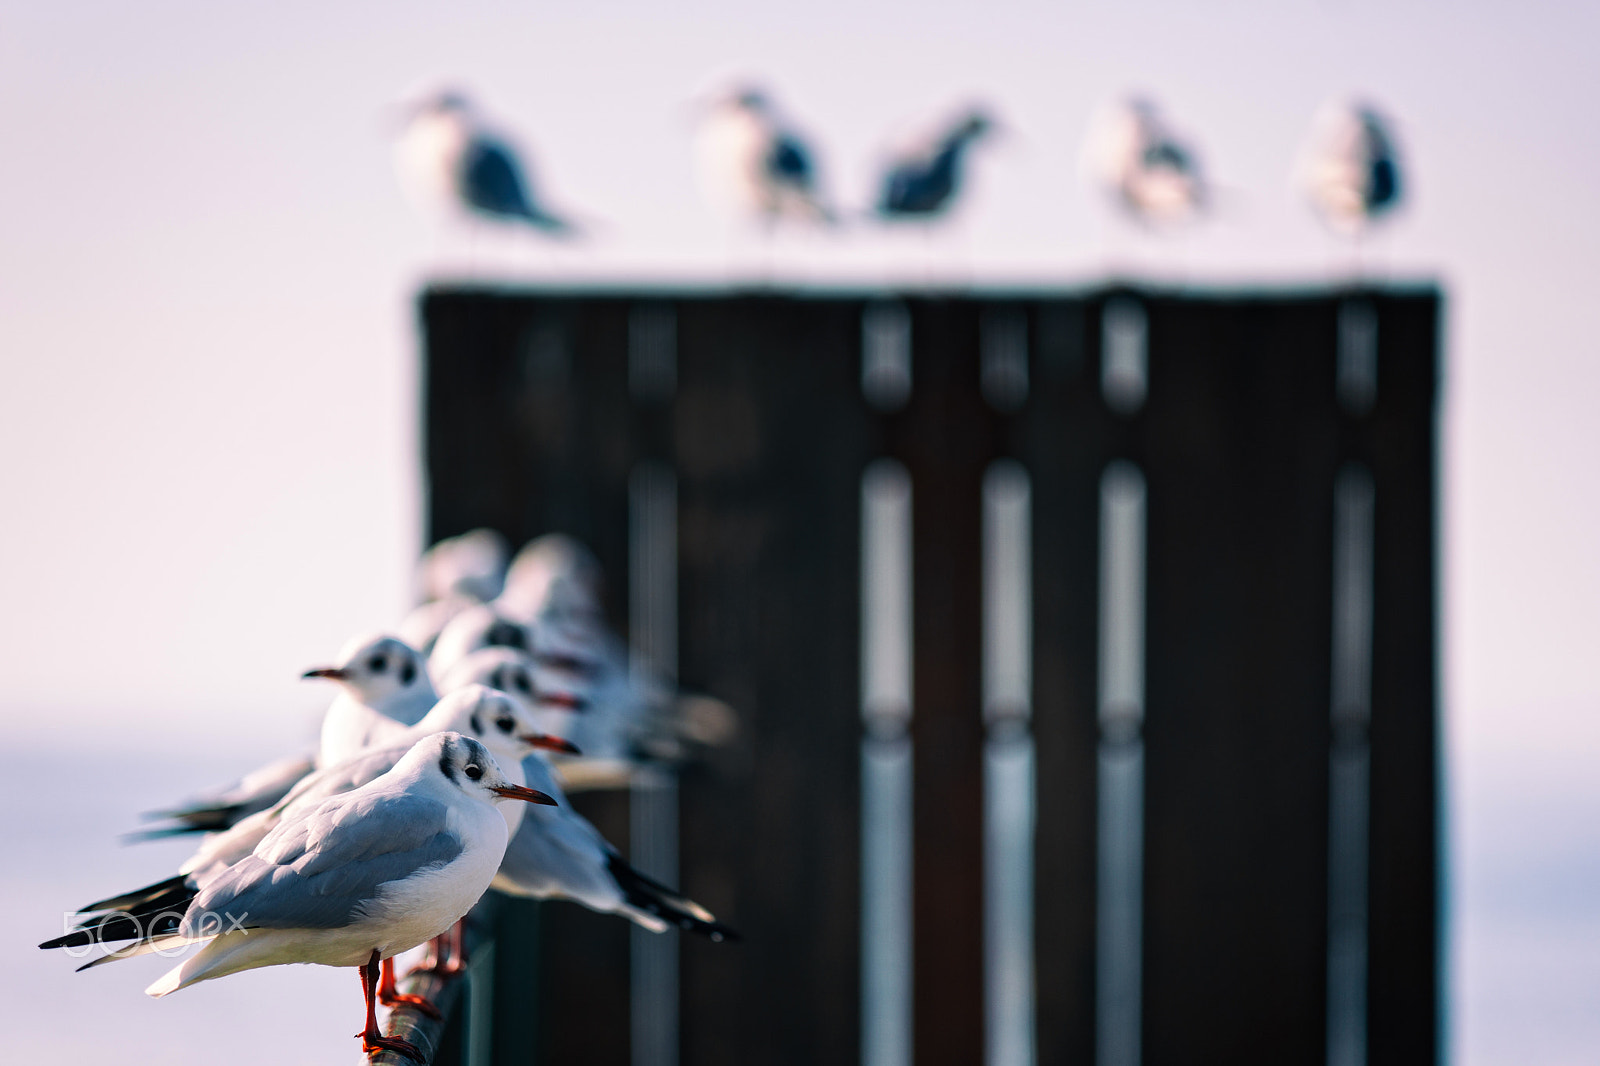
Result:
x=538 y=410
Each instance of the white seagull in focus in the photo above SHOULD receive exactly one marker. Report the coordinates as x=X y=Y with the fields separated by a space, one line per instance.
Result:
x=449 y=155
x=1351 y=167
x=752 y=160
x=492 y=718
x=356 y=879
x=1145 y=166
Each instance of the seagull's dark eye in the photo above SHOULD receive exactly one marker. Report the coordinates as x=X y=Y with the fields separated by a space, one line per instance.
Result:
x=505 y=725
x=522 y=684
x=474 y=771
x=378 y=664
x=408 y=672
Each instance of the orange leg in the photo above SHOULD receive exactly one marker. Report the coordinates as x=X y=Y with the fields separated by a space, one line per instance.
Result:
x=372 y=1038
x=390 y=996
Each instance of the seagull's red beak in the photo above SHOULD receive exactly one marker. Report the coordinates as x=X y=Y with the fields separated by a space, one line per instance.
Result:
x=551 y=743
x=517 y=792
x=566 y=701
x=332 y=673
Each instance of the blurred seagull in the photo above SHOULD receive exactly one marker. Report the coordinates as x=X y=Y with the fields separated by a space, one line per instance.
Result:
x=627 y=715
x=926 y=180
x=356 y=879
x=1351 y=167
x=751 y=158
x=1145 y=166
x=448 y=154
x=477 y=627
x=453 y=575
x=565 y=857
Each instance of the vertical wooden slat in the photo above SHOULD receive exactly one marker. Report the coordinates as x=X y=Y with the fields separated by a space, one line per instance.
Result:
x=1403 y=955
x=1239 y=444
x=1065 y=438
x=946 y=438
x=770 y=439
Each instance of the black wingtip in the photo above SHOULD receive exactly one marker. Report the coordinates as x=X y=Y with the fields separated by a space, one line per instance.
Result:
x=652 y=897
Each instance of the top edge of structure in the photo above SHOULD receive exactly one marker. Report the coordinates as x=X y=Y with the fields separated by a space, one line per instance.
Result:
x=1085 y=291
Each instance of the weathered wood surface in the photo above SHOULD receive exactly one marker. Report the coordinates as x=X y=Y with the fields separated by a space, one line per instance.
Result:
x=532 y=427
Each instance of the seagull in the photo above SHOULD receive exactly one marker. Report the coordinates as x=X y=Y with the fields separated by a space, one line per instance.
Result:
x=751 y=158
x=552 y=574
x=565 y=857
x=1145 y=166
x=492 y=718
x=454 y=574
x=381 y=679
x=449 y=154
x=553 y=586
x=1351 y=167
x=925 y=180
x=472 y=564
x=473 y=629
x=516 y=673
x=355 y=879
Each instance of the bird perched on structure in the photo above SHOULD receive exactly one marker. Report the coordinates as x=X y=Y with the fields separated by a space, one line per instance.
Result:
x=926 y=179
x=448 y=154
x=565 y=857
x=381 y=679
x=1145 y=166
x=752 y=159
x=1351 y=167
x=454 y=574
x=355 y=879
x=492 y=718
x=625 y=715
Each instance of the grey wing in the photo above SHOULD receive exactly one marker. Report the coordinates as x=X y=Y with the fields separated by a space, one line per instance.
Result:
x=323 y=869
x=343 y=776
x=559 y=854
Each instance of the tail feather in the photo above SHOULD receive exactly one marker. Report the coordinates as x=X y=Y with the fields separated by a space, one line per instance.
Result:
x=652 y=897
x=157 y=911
x=143 y=947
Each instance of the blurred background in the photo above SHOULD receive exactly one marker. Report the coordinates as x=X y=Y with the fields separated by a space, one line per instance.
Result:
x=209 y=429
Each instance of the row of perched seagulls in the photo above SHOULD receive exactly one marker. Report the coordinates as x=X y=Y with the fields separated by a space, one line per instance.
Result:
x=442 y=770
x=754 y=159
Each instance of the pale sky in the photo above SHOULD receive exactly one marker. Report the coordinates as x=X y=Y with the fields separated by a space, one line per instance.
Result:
x=206 y=274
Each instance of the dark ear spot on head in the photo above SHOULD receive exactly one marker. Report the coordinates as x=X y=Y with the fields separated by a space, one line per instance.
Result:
x=447 y=764
x=505 y=634
x=476 y=723
x=408 y=672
